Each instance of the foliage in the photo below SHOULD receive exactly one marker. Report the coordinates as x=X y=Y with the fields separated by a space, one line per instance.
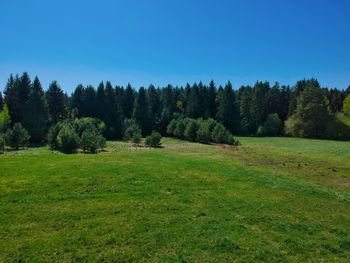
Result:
x=52 y=135
x=91 y=141
x=191 y=130
x=311 y=115
x=272 y=126
x=5 y=119
x=203 y=132
x=36 y=117
x=2 y=143
x=346 y=106
x=131 y=129
x=67 y=138
x=17 y=137
x=154 y=140
x=56 y=103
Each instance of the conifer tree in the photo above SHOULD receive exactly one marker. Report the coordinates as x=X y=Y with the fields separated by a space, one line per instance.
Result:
x=128 y=101
x=35 y=119
x=141 y=112
x=57 y=103
x=228 y=113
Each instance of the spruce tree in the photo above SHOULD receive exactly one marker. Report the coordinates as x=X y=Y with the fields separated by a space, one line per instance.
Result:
x=113 y=113
x=77 y=100
x=1 y=101
x=141 y=112
x=228 y=113
x=211 y=104
x=57 y=103
x=128 y=101
x=35 y=119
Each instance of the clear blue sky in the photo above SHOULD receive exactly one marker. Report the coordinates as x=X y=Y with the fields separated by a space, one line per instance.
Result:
x=175 y=41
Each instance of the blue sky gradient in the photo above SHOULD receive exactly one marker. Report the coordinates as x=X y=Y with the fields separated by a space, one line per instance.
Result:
x=176 y=41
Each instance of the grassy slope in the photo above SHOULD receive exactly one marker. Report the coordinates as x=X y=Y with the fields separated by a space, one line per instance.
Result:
x=272 y=199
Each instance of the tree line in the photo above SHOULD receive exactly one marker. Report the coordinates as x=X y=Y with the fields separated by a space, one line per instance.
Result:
x=304 y=110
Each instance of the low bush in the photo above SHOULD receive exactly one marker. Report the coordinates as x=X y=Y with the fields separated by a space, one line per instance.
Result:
x=131 y=130
x=154 y=140
x=203 y=133
x=272 y=126
x=191 y=130
x=17 y=137
x=91 y=141
x=67 y=139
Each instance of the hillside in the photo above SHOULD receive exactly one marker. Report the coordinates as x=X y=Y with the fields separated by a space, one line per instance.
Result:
x=272 y=199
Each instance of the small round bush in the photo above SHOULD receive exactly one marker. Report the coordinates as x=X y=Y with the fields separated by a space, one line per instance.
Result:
x=67 y=139
x=17 y=137
x=191 y=130
x=90 y=141
x=179 y=131
x=136 y=138
x=219 y=134
x=130 y=128
x=154 y=140
x=272 y=125
x=203 y=133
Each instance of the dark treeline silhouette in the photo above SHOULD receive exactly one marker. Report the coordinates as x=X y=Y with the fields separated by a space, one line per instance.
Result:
x=243 y=111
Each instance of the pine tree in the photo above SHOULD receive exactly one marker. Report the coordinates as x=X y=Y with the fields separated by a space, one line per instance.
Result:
x=154 y=106
x=141 y=112
x=16 y=95
x=1 y=101
x=35 y=119
x=228 y=113
x=100 y=101
x=113 y=113
x=57 y=103
x=259 y=109
x=193 y=107
x=77 y=100
x=311 y=115
x=211 y=104
x=128 y=101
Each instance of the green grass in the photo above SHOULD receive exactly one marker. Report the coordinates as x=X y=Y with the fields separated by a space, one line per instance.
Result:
x=271 y=199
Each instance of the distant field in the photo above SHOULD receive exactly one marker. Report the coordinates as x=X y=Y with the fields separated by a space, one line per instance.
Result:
x=271 y=199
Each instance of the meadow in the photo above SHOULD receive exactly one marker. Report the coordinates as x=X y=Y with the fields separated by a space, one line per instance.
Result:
x=270 y=199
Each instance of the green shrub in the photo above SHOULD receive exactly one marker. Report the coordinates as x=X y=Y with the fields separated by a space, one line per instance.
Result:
x=219 y=134
x=136 y=138
x=52 y=136
x=273 y=125
x=191 y=130
x=67 y=139
x=88 y=123
x=2 y=143
x=91 y=141
x=154 y=140
x=203 y=133
x=346 y=106
x=171 y=127
x=179 y=131
x=17 y=137
x=4 y=118
x=130 y=129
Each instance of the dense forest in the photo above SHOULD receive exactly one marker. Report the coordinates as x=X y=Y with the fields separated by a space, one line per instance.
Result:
x=303 y=110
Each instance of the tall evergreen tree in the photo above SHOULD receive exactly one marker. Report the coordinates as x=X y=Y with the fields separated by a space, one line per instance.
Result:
x=311 y=115
x=16 y=95
x=141 y=112
x=57 y=103
x=113 y=116
x=259 y=110
x=89 y=102
x=128 y=101
x=193 y=107
x=35 y=118
x=228 y=113
x=274 y=100
x=246 y=124
x=211 y=104
x=77 y=100
x=1 y=101
x=100 y=101
x=154 y=106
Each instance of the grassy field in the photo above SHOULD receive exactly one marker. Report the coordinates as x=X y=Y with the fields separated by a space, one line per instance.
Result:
x=271 y=199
